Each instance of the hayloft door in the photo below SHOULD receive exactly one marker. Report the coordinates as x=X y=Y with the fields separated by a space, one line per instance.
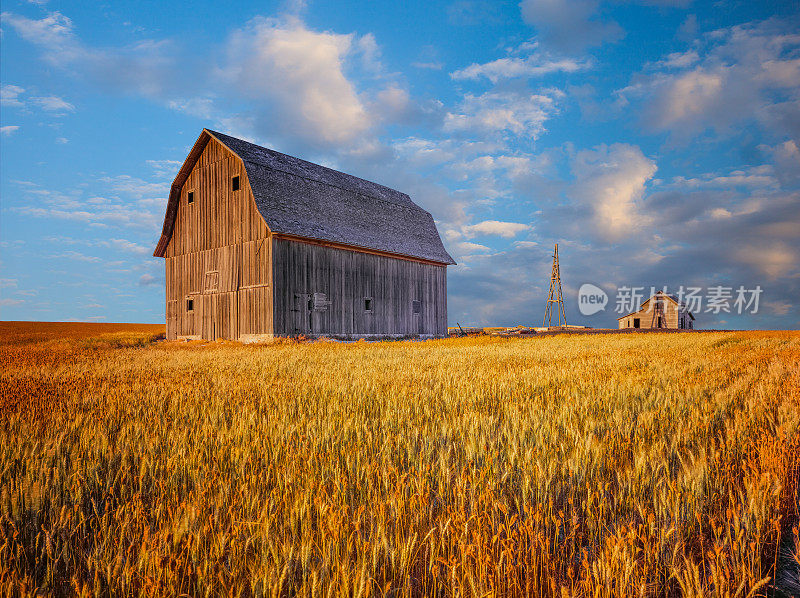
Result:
x=302 y=313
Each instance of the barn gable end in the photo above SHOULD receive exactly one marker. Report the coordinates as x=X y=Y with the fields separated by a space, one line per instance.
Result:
x=218 y=252
x=673 y=314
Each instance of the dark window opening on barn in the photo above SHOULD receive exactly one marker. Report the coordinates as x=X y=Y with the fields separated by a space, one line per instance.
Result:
x=416 y=306
x=190 y=197
x=636 y=322
x=190 y=305
x=659 y=321
x=235 y=183
x=368 y=304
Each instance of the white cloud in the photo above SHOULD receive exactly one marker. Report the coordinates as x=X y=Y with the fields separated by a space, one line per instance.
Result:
x=534 y=65
x=147 y=67
x=164 y=168
x=8 y=129
x=53 y=104
x=7 y=302
x=503 y=112
x=10 y=96
x=76 y=256
x=462 y=248
x=740 y=73
x=146 y=280
x=421 y=152
x=610 y=182
x=759 y=177
x=62 y=140
x=126 y=204
x=128 y=246
x=199 y=107
x=679 y=60
x=137 y=188
x=122 y=245
x=314 y=97
x=53 y=32
x=507 y=230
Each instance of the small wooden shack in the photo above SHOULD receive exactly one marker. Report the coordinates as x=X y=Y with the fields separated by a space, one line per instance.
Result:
x=260 y=244
x=659 y=311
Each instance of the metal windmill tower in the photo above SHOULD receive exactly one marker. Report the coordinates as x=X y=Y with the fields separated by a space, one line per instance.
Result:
x=555 y=296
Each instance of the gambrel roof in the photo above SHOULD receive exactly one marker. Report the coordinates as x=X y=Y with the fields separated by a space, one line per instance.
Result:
x=306 y=200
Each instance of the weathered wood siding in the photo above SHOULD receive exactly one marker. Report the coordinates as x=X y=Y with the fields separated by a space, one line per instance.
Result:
x=219 y=255
x=322 y=290
x=671 y=316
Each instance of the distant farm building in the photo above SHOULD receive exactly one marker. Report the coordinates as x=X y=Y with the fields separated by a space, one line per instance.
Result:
x=659 y=311
x=260 y=244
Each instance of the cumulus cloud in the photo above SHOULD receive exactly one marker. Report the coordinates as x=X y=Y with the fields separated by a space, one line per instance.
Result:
x=334 y=92
x=315 y=98
x=610 y=183
x=746 y=72
x=8 y=129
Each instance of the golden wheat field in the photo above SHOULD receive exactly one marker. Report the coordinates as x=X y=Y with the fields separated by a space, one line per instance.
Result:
x=574 y=465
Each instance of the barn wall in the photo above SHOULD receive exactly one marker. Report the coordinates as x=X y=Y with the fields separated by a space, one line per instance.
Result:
x=645 y=315
x=322 y=290
x=219 y=255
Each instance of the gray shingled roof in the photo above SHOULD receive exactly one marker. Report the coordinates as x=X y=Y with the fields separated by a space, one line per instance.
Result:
x=300 y=198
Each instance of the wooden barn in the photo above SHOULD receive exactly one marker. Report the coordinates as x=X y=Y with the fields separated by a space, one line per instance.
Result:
x=260 y=244
x=659 y=311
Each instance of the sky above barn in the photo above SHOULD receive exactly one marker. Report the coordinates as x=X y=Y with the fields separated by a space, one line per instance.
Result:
x=656 y=141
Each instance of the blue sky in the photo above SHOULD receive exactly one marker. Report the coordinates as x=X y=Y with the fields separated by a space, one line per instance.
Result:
x=656 y=141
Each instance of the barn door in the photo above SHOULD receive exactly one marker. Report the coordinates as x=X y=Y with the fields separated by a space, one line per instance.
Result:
x=319 y=304
x=302 y=313
x=417 y=323
x=172 y=319
x=213 y=321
